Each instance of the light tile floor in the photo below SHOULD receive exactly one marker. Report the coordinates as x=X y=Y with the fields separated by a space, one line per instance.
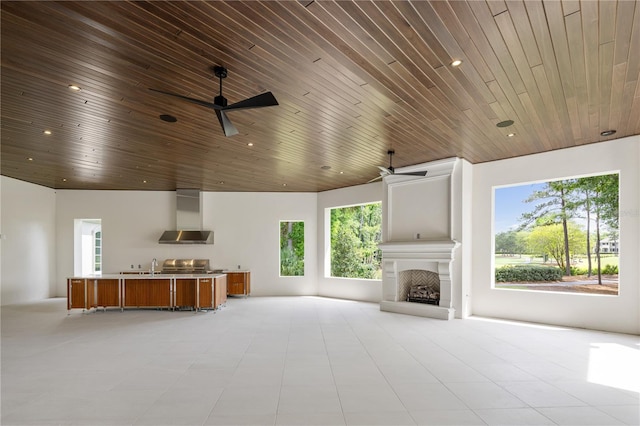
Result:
x=307 y=361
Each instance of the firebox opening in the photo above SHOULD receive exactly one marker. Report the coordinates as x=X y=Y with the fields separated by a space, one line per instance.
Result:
x=420 y=286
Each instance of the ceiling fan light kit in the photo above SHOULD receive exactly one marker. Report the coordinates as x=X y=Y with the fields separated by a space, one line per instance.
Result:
x=220 y=104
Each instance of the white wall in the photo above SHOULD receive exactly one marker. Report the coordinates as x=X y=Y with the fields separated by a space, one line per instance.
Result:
x=132 y=222
x=344 y=288
x=247 y=233
x=612 y=313
x=419 y=207
x=28 y=239
x=245 y=225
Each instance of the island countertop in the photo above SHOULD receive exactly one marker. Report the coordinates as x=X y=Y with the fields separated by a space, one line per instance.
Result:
x=144 y=275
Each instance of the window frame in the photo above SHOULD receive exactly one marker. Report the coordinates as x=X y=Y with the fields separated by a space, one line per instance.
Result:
x=574 y=220
x=328 y=269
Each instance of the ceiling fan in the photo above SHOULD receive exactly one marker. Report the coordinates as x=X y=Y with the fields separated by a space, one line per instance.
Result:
x=387 y=171
x=220 y=106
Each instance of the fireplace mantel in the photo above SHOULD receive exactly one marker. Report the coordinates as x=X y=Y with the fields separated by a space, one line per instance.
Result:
x=430 y=255
x=429 y=249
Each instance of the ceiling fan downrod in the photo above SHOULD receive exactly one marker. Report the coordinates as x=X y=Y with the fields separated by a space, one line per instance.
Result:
x=391 y=152
x=220 y=72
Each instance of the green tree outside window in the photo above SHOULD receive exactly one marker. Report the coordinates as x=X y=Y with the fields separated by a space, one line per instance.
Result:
x=291 y=248
x=355 y=234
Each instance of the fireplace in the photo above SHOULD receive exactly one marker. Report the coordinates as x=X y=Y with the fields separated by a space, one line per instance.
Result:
x=424 y=263
x=420 y=224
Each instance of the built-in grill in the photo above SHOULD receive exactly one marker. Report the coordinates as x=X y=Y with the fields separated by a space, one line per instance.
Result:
x=186 y=266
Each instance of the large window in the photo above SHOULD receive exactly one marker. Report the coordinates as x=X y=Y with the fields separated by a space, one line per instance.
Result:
x=355 y=234
x=291 y=248
x=558 y=235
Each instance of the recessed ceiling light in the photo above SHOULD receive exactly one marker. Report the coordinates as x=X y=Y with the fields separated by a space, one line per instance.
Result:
x=64 y=179
x=608 y=133
x=341 y=173
x=284 y=184
x=74 y=87
x=168 y=118
x=511 y=135
x=456 y=63
x=29 y=159
x=326 y=167
x=250 y=144
x=221 y=182
x=144 y=181
x=505 y=123
x=47 y=132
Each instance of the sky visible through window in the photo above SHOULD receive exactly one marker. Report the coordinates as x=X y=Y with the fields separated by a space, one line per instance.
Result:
x=509 y=205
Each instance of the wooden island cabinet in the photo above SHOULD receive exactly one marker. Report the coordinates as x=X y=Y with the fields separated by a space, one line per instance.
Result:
x=212 y=292
x=103 y=292
x=76 y=291
x=220 y=295
x=87 y=293
x=205 y=293
x=238 y=283
x=147 y=293
x=125 y=291
x=185 y=292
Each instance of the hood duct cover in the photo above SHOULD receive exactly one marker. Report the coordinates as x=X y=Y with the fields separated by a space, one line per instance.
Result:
x=188 y=221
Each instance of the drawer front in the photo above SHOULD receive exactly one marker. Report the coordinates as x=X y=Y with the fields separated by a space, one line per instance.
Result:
x=235 y=288
x=235 y=277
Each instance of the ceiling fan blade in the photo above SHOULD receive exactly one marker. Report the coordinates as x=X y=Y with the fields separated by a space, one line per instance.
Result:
x=192 y=100
x=412 y=174
x=384 y=170
x=228 y=128
x=263 y=100
x=375 y=179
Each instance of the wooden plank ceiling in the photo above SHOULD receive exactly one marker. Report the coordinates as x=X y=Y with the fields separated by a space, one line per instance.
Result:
x=352 y=78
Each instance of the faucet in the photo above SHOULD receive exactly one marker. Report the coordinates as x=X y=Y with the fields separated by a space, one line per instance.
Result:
x=154 y=263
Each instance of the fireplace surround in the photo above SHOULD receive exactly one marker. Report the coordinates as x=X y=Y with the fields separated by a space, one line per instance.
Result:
x=434 y=256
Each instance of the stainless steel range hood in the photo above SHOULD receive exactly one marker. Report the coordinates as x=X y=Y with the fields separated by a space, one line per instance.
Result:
x=186 y=237
x=188 y=221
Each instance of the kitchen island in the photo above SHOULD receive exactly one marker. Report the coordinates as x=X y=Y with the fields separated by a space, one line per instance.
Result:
x=162 y=291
